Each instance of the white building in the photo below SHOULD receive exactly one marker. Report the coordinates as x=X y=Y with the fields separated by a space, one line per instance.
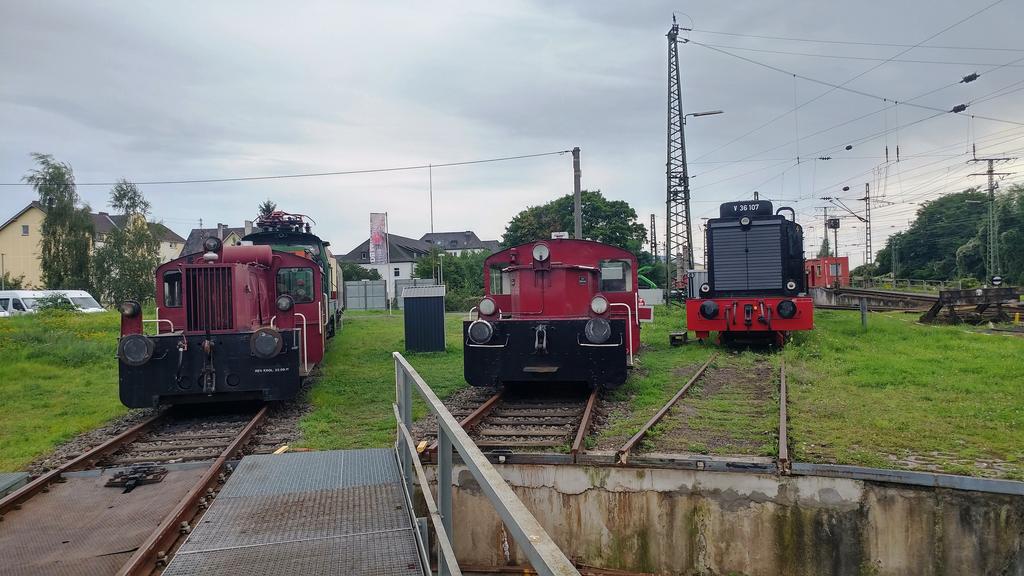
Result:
x=403 y=254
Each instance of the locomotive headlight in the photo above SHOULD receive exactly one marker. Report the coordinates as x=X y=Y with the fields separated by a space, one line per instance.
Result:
x=705 y=288
x=599 y=305
x=709 y=309
x=480 y=331
x=135 y=349
x=598 y=330
x=541 y=252
x=212 y=244
x=786 y=309
x=791 y=285
x=745 y=221
x=130 y=308
x=266 y=343
x=488 y=307
x=285 y=302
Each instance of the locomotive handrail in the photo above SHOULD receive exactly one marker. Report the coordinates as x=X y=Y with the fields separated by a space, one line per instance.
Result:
x=544 y=556
x=157 y=321
x=305 y=347
x=471 y=345
x=629 y=327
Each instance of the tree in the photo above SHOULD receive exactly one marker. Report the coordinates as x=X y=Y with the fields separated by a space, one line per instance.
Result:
x=267 y=208
x=825 y=251
x=125 y=262
x=67 y=229
x=353 y=271
x=610 y=221
x=11 y=282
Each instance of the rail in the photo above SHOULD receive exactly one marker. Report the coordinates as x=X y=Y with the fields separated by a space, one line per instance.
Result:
x=543 y=554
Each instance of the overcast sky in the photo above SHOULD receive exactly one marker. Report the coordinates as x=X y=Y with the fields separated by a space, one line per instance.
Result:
x=195 y=90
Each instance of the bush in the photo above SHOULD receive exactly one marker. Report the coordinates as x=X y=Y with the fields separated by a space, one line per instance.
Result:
x=55 y=302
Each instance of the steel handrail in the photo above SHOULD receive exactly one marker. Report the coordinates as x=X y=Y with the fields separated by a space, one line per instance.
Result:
x=629 y=326
x=545 y=557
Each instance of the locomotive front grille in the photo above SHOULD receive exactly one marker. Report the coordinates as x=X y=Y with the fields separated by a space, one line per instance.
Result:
x=209 y=301
x=747 y=259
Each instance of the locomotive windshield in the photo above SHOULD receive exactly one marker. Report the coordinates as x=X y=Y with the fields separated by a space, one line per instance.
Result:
x=297 y=283
x=615 y=276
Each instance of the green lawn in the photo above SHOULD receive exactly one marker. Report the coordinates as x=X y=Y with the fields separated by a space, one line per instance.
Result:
x=898 y=395
x=58 y=378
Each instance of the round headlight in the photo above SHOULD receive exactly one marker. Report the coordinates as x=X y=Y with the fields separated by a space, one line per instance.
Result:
x=266 y=343
x=705 y=288
x=791 y=285
x=212 y=244
x=709 y=309
x=480 y=331
x=599 y=305
x=285 y=302
x=597 y=330
x=130 y=308
x=541 y=252
x=786 y=308
x=135 y=349
x=488 y=307
x=745 y=221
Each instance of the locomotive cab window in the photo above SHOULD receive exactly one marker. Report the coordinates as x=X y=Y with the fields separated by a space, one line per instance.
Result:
x=172 y=289
x=500 y=281
x=297 y=283
x=616 y=276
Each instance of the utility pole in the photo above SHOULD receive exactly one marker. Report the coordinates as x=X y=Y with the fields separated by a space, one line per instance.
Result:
x=825 y=230
x=577 y=195
x=678 y=237
x=992 y=264
x=654 y=240
x=869 y=254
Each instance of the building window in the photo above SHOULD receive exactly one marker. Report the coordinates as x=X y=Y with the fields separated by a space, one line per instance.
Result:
x=174 y=244
x=833 y=269
x=363 y=256
x=398 y=272
x=296 y=282
x=24 y=229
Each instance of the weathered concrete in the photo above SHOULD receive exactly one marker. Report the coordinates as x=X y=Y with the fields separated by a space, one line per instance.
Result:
x=698 y=522
x=881 y=301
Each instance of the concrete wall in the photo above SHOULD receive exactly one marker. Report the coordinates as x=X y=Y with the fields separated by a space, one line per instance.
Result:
x=832 y=298
x=689 y=522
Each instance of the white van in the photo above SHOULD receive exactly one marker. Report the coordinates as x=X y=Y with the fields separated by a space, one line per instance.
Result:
x=15 y=302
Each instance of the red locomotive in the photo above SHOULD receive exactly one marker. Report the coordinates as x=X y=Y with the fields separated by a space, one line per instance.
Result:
x=555 y=311
x=240 y=322
x=755 y=287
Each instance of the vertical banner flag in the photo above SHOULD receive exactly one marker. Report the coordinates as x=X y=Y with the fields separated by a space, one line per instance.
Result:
x=378 y=238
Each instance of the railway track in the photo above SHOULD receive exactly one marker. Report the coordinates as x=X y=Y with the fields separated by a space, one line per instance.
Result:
x=125 y=505
x=513 y=419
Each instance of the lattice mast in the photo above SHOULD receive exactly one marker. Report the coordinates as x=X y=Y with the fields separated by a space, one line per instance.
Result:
x=678 y=235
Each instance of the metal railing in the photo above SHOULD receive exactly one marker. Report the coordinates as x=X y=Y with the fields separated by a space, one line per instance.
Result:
x=910 y=284
x=545 y=557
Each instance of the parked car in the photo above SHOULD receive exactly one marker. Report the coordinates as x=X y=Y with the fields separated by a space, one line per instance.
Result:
x=15 y=302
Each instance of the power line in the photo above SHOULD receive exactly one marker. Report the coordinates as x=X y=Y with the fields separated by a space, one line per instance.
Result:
x=854 y=43
x=315 y=174
x=867 y=58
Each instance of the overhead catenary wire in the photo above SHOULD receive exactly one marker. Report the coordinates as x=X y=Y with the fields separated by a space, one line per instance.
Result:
x=855 y=43
x=1014 y=64
x=428 y=166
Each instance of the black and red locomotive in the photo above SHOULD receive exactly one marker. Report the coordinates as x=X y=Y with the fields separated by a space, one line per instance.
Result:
x=243 y=322
x=555 y=310
x=755 y=288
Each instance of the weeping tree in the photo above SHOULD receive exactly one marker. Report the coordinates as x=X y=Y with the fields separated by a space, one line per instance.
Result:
x=125 y=262
x=825 y=250
x=67 y=229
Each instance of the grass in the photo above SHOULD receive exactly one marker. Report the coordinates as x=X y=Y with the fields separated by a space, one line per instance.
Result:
x=944 y=396
x=352 y=397
x=58 y=378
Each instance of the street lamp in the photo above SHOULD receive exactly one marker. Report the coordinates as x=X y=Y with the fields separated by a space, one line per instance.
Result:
x=684 y=177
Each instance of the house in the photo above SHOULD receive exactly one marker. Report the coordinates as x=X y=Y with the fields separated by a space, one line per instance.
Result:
x=403 y=254
x=227 y=234
x=20 y=236
x=830 y=271
x=456 y=243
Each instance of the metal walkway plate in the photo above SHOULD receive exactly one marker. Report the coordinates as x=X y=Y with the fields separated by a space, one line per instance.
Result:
x=338 y=512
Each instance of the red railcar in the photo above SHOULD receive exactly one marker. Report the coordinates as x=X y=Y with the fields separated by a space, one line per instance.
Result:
x=233 y=323
x=756 y=286
x=555 y=311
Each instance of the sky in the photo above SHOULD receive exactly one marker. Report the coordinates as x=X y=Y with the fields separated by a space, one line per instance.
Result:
x=216 y=90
